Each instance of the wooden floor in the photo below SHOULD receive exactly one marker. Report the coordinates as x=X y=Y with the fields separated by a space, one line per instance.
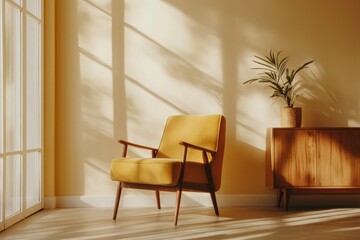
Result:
x=194 y=223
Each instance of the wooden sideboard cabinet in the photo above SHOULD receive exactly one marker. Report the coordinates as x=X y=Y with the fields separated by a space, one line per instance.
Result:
x=312 y=160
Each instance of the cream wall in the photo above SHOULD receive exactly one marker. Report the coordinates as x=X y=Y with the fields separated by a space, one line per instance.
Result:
x=123 y=66
x=49 y=98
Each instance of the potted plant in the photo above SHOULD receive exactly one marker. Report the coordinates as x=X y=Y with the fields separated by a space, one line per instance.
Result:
x=274 y=72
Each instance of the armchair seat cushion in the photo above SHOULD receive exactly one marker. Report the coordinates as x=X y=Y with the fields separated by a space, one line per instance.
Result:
x=154 y=171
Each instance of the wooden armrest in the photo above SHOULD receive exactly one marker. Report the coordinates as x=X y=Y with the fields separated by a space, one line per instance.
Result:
x=196 y=147
x=137 y=145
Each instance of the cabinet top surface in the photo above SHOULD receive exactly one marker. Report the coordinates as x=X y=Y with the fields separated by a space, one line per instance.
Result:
x=316 y=128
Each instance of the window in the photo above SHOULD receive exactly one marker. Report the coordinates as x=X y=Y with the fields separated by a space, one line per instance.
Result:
x=21 y=107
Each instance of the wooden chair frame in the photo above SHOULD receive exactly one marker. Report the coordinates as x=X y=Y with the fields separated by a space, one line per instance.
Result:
x=179 y=187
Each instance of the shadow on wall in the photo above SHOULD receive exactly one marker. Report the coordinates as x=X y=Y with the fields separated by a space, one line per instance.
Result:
x=324 y=103
x=91 y=104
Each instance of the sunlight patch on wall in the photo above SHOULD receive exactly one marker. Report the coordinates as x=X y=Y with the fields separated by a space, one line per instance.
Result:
x=256 y=110
x=178 y=33
x=354 y=120
x=172 y=66
x=261 y=113
x=95 y=49
x=95 y=30
x=102 y=5
x=97 y=102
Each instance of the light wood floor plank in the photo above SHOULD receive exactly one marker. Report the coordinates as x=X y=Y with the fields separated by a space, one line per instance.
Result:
x=194 y=223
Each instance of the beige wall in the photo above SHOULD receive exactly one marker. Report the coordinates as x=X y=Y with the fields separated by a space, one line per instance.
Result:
x=123 y=66
x=49 y=98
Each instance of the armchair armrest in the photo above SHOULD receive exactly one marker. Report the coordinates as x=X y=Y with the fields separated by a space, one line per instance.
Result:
x=137 y=145
x=127 y=143
x=189 y=145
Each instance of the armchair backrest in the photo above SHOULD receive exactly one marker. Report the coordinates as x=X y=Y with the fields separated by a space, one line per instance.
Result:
x=207 y=131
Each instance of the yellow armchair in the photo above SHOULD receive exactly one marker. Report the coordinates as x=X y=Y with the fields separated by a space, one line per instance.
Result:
x=189 y=158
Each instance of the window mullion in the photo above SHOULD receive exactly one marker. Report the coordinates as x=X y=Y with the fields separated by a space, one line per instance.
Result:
x=2 y=127
x=24 y=105
x=2 y=77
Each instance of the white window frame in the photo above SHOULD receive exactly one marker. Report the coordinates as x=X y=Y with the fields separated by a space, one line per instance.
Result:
x=25 y=211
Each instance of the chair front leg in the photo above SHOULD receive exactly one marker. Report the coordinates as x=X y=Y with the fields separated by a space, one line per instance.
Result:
x=180 y=186
x=177 y=207
x=214 y=202
x=117 y=200
x=157 y=193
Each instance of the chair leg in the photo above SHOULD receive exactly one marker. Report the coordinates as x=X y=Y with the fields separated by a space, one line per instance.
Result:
x=177 y=207
x=157 y=193
x=210 y=183
x=117 y=200
x=213 y=199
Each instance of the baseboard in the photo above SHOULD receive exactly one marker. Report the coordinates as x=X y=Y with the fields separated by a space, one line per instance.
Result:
x=201 y=199
x=167 y=200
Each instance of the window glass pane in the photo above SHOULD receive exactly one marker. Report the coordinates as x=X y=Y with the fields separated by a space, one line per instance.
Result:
x=33 y=179
x=1 y=188
x=1 y=114
x=1 y=118
x=34 y=7
x=1 y=92
x=18 y=2
x=33 y=84
x=13 y=185
x=12 y=70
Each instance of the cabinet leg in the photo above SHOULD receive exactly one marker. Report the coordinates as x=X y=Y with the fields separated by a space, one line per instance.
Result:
x=280 y=193
x=287 y=193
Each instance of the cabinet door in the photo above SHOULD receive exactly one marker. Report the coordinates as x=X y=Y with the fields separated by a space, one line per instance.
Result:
x=295 y=157
x=338 y=160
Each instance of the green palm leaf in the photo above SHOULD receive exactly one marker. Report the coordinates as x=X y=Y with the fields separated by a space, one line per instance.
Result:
x=273 y=72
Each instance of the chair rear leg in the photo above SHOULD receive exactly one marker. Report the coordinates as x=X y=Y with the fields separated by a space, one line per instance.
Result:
x=117 y=200
x=210 y=183
x=157 y=193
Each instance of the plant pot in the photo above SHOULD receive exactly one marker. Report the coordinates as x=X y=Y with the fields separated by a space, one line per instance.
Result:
x=290 y=117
